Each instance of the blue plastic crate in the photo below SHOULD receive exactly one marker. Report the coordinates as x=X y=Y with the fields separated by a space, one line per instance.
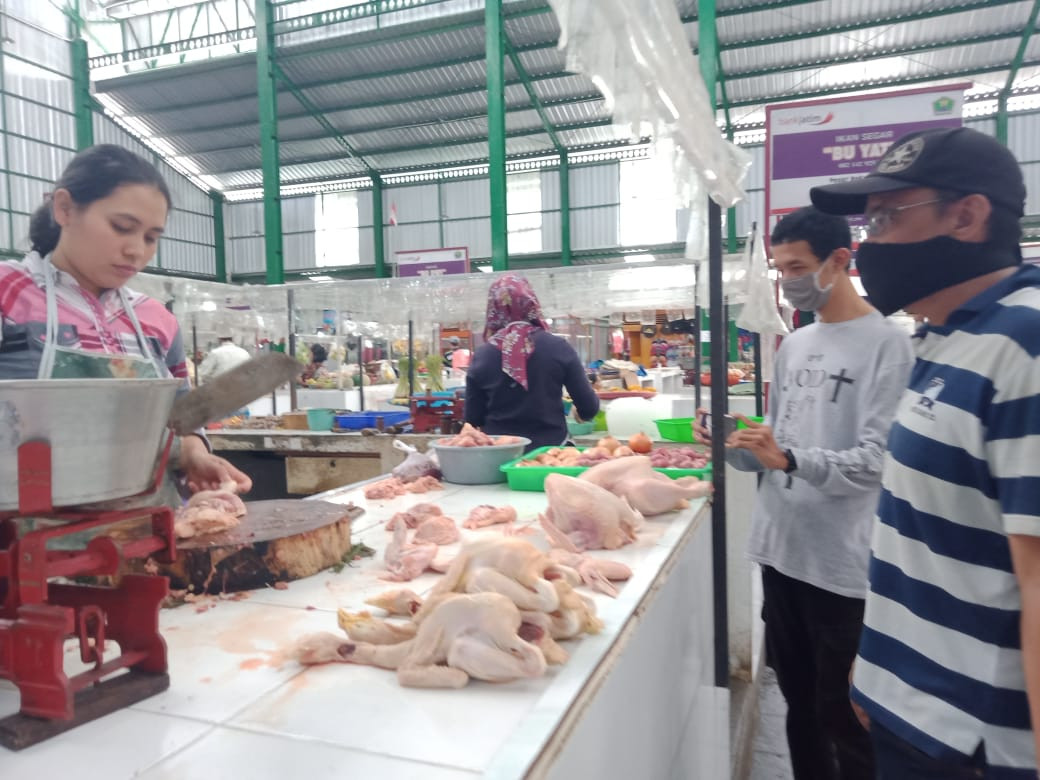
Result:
x=355 y=421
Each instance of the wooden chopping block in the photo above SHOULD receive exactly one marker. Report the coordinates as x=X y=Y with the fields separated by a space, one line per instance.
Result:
x=276 y=541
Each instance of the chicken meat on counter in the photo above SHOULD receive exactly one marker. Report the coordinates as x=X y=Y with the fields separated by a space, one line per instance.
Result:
x=583 y=516
x=461 y=637
x=647 y=491
x=209 y=512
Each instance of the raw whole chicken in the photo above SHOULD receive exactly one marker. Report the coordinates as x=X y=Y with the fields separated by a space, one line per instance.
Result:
x=583 y=516
x=649 y=492
x=597 y=573
x=437 y=529
x=362 y=627
x=462 y=636
x=404 y=560
x=393 y=487
x=402 y=602
x=485 y=515
x=510 y=566
x=209 y=512
x=413 y=516
x=576 y=614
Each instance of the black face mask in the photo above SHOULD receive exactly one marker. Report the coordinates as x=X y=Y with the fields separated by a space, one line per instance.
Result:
x=896 y=275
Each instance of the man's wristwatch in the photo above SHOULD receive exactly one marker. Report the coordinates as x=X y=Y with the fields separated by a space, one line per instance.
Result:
x=792 y=464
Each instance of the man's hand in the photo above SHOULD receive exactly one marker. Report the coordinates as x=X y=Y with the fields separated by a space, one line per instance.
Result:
x=700 y=433
x=758 y=439
x=206 y=471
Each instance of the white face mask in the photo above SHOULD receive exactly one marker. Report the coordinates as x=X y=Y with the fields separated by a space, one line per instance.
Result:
x=805 y=293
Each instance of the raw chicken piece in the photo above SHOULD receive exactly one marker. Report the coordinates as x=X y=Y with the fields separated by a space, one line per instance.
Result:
x=362 y=627
x=537 y=629
x=425 y=485
x=649 y=492
x=414 y=516
x=575 y=616
x=385 y=488
x=583 y=516
x=436 y=530
x=397 y=602
x=510 y=566
x=463 y=636
x=404 y=560
x=485 y=515
x=468 y=437
x=209 y=512
x=597 y=573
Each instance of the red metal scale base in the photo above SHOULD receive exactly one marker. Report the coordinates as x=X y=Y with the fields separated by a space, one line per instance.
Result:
x=38 y=616
x=434 y=414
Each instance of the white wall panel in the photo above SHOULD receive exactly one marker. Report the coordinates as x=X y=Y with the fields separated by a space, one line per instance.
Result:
x=246 y=255
x=27 y=194
x=595 y=185
x=551 y=189
x=35 y=121
x=43 y=86
x=37 y=159
x=20 y=232
x=474 y=234
x=244 y=219
x=298 y=215
x=366 y=247
x=462 y=199
x=364 y=207
x=415 y=203
x=551 y=229
x=298 y=250
x=45 y=15
x=408 y=237
x=34 y=44
x=594 y=228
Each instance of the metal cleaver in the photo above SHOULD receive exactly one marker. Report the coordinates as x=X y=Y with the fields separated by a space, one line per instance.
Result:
x=232 y=390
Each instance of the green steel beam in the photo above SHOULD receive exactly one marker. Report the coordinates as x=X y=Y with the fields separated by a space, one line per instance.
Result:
x=872 y=54
x=440 y=145
x=864 y=24
x=1016 y=63
x=518 y=66
x=83 y=102
x=708 y=47
x=495 y=34
x=378 y=247
x=219 y=239
x=321 y=119
x=878 y=84
x=374 y=128
x=565 y=208
x=268 y=104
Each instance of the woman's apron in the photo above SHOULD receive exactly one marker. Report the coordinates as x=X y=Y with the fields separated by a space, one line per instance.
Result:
x=62 y=362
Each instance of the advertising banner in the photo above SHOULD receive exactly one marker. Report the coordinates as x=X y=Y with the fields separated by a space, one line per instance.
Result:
x=433 y=262
x=827 y=141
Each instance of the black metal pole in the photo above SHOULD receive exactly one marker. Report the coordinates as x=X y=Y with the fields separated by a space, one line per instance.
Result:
x=411 y=360
x=719 y=389
x=759 y=400
x=697 y=354
x=290 y=302
x=361 y=372
x=195 y=350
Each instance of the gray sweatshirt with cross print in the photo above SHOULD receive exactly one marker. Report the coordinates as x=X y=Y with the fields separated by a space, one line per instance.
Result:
x=832 y=400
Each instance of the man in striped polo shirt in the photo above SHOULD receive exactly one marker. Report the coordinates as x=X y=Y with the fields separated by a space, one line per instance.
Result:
x=948 y=670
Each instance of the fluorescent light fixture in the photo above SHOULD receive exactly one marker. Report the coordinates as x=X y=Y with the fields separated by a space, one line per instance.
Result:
x=484 y=269
x=320 y=278
x=135 y=125
x=208 y=306
x=643 y=258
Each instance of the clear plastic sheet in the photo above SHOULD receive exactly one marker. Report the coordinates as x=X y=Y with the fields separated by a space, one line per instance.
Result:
x=637 y=55
x=760 y=313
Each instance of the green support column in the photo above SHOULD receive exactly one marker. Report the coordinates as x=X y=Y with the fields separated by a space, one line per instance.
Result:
x=565 y=208
x=267 y=96
x=497 y=134
x=219 y=245
x=1016 y=63
x=378 y=249
x=82 y=103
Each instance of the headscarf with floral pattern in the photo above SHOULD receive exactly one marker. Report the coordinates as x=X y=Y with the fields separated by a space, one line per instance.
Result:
x=513 y=315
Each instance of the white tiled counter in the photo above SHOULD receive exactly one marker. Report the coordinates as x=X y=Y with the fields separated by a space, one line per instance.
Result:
x=636 y=700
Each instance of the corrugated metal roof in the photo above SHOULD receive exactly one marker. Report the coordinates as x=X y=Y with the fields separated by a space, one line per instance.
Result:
x=407 y=89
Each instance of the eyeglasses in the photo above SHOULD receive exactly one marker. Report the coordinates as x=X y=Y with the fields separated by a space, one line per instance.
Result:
x=879 y=220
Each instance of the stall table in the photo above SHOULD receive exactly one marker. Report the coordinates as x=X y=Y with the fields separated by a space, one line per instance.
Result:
x=636 y=700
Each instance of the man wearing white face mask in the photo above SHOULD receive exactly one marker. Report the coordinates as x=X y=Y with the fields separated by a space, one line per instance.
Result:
x=835 y=390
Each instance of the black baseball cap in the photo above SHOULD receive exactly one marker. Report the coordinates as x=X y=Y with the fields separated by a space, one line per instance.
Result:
x=958 y=159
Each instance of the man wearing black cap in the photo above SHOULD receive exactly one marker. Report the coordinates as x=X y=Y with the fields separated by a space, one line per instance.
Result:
x=949 y=663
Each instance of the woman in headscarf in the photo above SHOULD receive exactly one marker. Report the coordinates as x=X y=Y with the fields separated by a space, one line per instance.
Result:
x=515 y=382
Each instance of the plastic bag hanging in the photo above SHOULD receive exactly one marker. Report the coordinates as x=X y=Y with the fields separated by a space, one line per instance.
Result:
x=760 y=313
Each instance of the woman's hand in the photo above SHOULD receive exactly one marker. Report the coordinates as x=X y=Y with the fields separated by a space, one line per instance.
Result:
x=206 y=471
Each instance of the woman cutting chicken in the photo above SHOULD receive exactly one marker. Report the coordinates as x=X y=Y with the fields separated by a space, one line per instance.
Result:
x=66 y=312
x=516 y=380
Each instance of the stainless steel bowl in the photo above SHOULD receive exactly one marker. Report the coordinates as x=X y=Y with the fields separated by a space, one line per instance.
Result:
x=105 y=434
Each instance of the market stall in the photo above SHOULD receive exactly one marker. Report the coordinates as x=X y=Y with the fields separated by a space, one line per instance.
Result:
x=238 y=704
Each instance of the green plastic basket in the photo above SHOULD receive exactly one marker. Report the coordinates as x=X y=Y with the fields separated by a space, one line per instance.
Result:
x=532 y=478
x=681 y=428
